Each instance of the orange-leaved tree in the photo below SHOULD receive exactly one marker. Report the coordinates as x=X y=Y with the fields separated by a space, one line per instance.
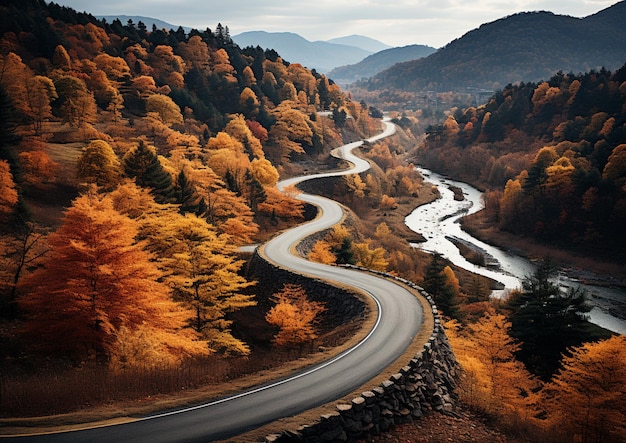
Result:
x=585 y=399
x=321 y=252
x=8 y=190
x=96 y=280
x=295 y=316
x=493 y=380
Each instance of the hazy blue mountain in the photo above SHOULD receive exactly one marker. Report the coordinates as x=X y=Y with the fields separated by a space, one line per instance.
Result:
x=375 y=63
x=528 y=46
x=360 y=41
x=319 y=55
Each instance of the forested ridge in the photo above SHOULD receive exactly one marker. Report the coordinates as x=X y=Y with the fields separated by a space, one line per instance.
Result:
x=528 y=46
x=553 y=153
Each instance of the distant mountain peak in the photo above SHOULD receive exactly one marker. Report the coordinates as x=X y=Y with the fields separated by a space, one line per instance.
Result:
x=361 y=41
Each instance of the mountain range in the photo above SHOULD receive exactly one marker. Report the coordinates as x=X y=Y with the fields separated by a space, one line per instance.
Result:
x=319 y=55
x=529 y=46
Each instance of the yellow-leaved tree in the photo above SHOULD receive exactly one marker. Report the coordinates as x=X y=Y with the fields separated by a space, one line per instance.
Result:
x=493 y=381
x=203 y=270
x=370 y=258
x=321 y=252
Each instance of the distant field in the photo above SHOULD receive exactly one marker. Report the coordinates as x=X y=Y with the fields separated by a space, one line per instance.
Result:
x=65 y=154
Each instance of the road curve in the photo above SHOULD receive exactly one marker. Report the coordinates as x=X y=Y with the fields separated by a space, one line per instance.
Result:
x=399 y=319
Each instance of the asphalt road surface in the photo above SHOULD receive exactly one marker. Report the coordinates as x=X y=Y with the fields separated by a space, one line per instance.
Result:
x=399 y=319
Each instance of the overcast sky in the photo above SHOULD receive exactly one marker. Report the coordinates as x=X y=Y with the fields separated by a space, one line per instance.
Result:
x=396 y=22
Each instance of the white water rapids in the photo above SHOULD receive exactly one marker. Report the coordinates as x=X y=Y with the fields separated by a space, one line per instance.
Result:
x=439 y=221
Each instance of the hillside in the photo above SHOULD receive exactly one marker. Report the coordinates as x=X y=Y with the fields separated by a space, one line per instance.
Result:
x=554 y=155
x=319 y=55
x=523 y=47
x=375 y=63
x=191 y=129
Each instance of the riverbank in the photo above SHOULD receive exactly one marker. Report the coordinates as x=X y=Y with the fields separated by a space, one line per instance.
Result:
x=588 y=270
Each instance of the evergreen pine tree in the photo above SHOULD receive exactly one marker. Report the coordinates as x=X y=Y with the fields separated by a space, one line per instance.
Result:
x=256 y=192
x=142 y=164
x=187 y=195
x=345 y=254
x=436 y=284
x=547 y=320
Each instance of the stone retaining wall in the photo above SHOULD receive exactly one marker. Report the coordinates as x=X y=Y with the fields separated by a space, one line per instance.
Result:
x=425 y=384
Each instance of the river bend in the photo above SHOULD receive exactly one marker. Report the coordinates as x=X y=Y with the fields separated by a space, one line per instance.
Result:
x=438 y=222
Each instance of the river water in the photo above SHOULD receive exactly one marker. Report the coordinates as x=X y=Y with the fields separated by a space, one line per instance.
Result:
x=438 y=222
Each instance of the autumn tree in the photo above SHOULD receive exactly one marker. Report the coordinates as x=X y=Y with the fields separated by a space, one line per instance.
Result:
x=225 y=210
x=115 y=68
x=8 y=190
x=585 y=400
x=164 y=106
x=37 y=167
x=238 y=129
x=294 y=315
x=371 y=258
x=95 y=281
x=98 y=164
x=20 y=251
x=75 y=104
x=168 y=67
x=281 y=206
x=41 y=92
x=291 y=132
x=321 y=252
x=196 y=54
x=493 y=380
x=264 y=172
x=201 y=267
x=13 y=77
x=249 y=102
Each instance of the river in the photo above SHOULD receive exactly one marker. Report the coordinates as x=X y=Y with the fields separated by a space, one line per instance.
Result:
x=438 y=222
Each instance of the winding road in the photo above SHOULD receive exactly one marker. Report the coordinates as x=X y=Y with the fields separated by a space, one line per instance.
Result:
x=400 y=317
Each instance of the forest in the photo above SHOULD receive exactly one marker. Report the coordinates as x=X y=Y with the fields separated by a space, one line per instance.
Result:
x=134 y=164
x=552 y=155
